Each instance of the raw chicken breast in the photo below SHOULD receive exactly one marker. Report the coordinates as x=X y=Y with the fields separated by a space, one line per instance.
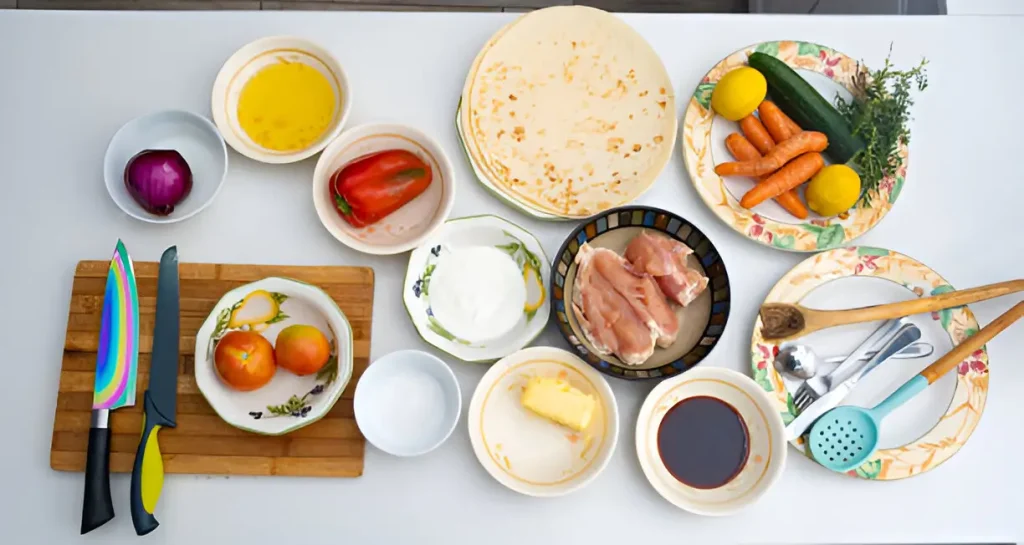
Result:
x=664 y=258
x=607 y=319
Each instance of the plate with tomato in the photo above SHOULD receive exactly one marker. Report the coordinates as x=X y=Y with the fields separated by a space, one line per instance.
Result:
x=273 y=356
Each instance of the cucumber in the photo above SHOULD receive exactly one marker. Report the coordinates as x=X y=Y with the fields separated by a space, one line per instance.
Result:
x=804 y=105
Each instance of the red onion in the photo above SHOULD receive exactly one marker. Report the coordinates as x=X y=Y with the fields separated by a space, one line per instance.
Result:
x=158 y=180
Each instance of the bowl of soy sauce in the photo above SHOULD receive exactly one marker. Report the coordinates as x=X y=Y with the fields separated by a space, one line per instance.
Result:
x=710 y=441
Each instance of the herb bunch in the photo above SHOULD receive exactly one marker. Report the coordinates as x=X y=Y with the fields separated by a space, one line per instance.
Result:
x=879 y=114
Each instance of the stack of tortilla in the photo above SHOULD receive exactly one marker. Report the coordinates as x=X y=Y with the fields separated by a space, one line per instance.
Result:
x=567 y=112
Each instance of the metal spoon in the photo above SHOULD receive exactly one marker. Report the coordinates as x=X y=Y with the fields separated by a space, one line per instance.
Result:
x=800 y=361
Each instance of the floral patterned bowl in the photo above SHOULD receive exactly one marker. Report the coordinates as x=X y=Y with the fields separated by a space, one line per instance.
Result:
x=703 y=135
x=486 y=230
x=288 y=402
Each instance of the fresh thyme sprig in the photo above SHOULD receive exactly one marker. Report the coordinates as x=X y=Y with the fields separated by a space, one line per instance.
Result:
x=879 y=113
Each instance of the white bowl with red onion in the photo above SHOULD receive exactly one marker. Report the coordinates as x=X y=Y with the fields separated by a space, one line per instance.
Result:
x=165 y=167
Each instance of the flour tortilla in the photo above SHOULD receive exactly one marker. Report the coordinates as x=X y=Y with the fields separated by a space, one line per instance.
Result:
x=569 y=111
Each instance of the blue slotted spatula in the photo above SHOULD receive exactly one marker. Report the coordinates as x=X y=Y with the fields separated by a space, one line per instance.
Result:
x=845 y=437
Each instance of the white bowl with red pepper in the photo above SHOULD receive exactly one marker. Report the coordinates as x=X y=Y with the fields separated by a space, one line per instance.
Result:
x=383 y=188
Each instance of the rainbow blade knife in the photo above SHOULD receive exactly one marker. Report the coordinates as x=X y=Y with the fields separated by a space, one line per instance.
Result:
x=117 y=362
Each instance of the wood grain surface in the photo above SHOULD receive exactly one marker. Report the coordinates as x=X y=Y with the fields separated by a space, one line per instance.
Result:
x=202 y=442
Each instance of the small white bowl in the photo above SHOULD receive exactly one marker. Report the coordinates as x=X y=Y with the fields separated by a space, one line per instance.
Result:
x=289 y=401
x=191 y=135
x=407 y=403
x=407 y=227
x=766 y=456
x=253 y=57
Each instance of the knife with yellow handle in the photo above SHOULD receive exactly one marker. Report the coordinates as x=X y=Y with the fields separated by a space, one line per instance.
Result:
x=160 y=403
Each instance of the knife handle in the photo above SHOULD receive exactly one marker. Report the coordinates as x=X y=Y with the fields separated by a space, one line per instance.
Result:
x=148 y=471
x=97 y=507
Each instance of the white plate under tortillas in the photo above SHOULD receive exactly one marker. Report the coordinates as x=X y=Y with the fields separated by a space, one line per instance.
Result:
x=569 y=111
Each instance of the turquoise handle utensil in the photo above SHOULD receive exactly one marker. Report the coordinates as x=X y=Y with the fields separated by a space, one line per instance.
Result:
x=845 y=437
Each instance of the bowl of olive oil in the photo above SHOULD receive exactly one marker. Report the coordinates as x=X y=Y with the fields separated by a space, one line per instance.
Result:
x=280 y=99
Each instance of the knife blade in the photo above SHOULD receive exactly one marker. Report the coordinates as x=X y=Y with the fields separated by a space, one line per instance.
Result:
x=117 y=361
x=904 y=337
x=160 y=402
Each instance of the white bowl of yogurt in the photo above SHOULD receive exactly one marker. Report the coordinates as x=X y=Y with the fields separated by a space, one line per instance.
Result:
x=476 y=288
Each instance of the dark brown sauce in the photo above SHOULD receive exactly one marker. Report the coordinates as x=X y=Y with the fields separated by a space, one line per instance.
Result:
x=703 y=442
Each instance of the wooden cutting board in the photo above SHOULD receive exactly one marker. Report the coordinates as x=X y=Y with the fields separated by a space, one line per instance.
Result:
x=202 y=442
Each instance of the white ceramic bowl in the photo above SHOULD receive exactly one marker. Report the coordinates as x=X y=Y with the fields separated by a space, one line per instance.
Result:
x=191 y=135
x=407 y=227
x=407 y=403
x=249 y=60
x=288 y=402
x=766 y=439
x=529 y=453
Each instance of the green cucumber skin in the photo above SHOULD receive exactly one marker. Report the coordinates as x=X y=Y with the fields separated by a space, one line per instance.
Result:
x=805 y=106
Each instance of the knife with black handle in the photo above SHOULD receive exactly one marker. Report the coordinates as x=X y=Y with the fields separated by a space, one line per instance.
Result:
x=161 y=399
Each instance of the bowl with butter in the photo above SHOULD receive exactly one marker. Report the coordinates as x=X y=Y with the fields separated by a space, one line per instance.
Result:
x=476 y=288
x=542 y=422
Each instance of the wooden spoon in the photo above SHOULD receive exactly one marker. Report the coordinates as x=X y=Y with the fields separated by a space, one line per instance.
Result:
x=781 y=321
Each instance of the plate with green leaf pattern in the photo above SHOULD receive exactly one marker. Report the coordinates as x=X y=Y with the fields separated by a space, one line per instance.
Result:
x=520 y=245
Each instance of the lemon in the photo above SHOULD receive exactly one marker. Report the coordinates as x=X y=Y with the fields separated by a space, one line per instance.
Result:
x=739 y=93
x=833 y=190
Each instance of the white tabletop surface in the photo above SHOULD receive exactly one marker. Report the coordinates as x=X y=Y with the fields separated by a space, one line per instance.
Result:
x=69 y=80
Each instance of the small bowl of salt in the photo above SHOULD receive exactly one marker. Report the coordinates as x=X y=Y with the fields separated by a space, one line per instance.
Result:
x=407 y=403
x=476 y=288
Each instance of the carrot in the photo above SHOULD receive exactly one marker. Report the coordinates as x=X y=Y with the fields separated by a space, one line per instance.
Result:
x=796 y=172
x=742 y=149
x=806 y=141
x=775 y=121
x=757 y=134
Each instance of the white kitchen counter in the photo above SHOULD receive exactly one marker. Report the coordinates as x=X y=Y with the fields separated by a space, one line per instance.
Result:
x=69 y=80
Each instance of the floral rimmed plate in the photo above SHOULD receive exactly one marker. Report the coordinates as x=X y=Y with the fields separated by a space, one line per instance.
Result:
x=702 y=322
x=867 y=276
x=766 y=454
x=703 y=135
x=484 y=230
x=529 y=453
x=288 y=402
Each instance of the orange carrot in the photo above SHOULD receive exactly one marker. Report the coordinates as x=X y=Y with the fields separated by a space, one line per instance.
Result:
x=743 y=150
x=806 y=141
x=757 y=134
x=795 y=172
x=793 y=127
x=774 y=120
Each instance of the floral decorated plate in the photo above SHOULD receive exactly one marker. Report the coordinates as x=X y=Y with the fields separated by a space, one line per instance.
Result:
x=526 y=452
x=288 y=402
x=702 y=322
x=927 y=430
x=766 y=444
x=703 y=137
x=475 y=231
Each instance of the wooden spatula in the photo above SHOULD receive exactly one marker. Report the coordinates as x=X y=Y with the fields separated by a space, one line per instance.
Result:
x=781 y=321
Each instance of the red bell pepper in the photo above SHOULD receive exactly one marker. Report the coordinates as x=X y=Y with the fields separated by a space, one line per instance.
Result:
x=372 y=187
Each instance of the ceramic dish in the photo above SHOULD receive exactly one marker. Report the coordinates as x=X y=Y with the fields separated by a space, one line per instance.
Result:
x=191 y=135
x=252 y=58
x=527 y=452
x=625 y=123
x=486 y=230
x=288 y=402
x=407 y=403
x=766 y=453
x=407 y=227
x=701 y=322
x=927 y=430
x=489 y=186
x=830 y=72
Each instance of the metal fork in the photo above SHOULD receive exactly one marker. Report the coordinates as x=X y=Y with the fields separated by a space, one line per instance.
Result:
x=815 y=387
